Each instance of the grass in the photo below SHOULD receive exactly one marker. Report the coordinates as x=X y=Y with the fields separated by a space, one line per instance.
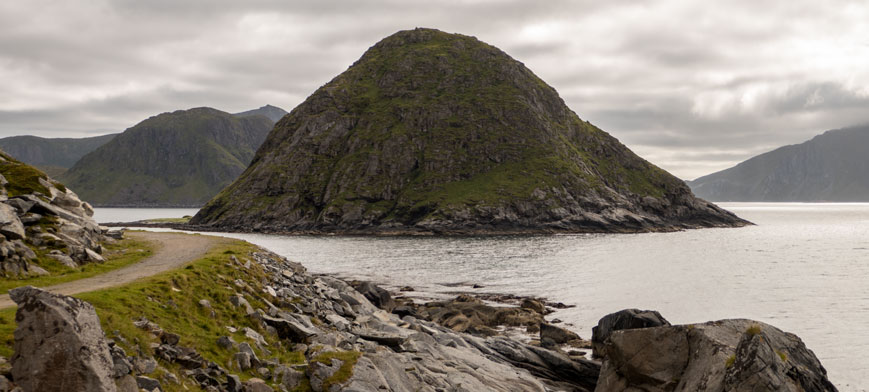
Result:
x=183 y=219
x=753 y=330
x=171 y=300
x=348 y=359
x=730 y=361
x=118 y=255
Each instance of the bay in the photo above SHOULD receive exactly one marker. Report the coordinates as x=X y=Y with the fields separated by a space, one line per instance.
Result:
x=803 y=268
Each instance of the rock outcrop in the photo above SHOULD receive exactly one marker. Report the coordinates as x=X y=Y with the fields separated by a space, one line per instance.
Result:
x=623 y=319
x=42 y=220
x=178 y=159
x=726 y=355
x=59 y=345
x=430 y=132
x=829 y=167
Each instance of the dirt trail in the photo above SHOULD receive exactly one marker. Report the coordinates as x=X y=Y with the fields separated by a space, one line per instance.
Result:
x=172 y=250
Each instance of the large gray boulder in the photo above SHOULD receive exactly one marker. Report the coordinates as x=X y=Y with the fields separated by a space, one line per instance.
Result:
x=10 y=225
x=623 y=319
x=727 y=355
x=59 y=345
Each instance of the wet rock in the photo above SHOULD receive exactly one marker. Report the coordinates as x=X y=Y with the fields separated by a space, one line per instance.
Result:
x=556 y=334
x=376 y=295
x=623 y=319
x=533 y=304
x=59 y=345
x=726 y=355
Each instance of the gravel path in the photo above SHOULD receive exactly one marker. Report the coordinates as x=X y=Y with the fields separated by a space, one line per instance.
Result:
x=173 y=250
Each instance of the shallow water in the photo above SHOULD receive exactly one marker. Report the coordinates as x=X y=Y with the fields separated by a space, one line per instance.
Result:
x=803 y=268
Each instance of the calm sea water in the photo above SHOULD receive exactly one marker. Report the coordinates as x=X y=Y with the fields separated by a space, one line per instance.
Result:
x=804 y=268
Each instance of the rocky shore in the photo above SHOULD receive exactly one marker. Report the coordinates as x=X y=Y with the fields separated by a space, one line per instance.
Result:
x=355 y=336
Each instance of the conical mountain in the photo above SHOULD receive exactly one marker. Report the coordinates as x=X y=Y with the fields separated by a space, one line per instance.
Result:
x=437 y=132
x=176 y=159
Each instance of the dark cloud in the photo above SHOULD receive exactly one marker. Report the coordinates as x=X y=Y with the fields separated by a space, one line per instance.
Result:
x=692 y=86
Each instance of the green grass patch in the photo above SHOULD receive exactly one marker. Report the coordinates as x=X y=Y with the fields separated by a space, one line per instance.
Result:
x=183 y=219
x=730 y=361
x=344 y=373
x=118 y=255
x=171 y=300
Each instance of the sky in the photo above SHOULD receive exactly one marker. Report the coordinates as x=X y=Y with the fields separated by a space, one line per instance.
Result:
x=691 y=86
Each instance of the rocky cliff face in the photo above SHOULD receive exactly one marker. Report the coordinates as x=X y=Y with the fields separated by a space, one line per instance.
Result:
x=178 y=159
x=437 y=132
x=41 y=221
x=830 y=167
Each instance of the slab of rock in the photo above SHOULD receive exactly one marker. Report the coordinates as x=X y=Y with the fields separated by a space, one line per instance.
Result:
x=726 y=355
x=623 y=319
x=557 y=335
x=376 y=295
x=59 y=345
x=10 y=226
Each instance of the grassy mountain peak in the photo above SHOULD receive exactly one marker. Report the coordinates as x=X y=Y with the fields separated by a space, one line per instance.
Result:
x=442 y=132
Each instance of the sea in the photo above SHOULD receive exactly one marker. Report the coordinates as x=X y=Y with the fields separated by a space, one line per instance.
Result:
x=803 y=267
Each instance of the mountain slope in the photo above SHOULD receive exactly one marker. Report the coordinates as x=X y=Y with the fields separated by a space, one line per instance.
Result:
x=274 y=113
x=437 y=132
x=181 y=158
x=51 y=154
x=829 y=167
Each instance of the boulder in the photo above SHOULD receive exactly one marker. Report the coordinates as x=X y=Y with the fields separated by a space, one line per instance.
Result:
x=557 y=335
x=10 y=226
x=726 y=355
x=59 y=345
x=623 y=319
x=376 y=295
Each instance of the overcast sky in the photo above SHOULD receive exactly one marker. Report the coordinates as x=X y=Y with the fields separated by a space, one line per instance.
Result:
x=691 y=86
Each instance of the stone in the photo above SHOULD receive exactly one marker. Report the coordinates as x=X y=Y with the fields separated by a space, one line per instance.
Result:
x=94 y=256
x=290 y=379
x=63 y=259
x=169 y=338
x=726 y=355
x=242 y=359
x=623 y=319
x=59 y=344
x=290 y=329
x=147 y=383
x=225 y=342
x=556 y=334
x=376 y=295
x=145 y=365
x=205 y=303
x=10 y=226
x=533 y=304
x=127 y=384
x=233 y=383
x=257 y=385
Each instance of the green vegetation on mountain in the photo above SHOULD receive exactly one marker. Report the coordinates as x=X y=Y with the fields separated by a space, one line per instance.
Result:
x=430 y=131
x=829 y=167
x=51 y=155
x=181 y=158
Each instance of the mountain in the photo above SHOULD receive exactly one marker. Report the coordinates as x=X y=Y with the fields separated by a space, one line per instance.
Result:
x=53 y=155
x=435 y=132
x=274 y=113
x=830 y=167
x=178 y=159
x=44 y=227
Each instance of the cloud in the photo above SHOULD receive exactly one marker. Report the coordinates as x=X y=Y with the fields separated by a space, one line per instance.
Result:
x=694 y=87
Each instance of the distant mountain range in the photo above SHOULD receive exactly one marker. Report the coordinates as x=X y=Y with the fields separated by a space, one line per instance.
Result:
x=832 y=167
x=173 y=159
x=274 y=113
x=52 y=155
